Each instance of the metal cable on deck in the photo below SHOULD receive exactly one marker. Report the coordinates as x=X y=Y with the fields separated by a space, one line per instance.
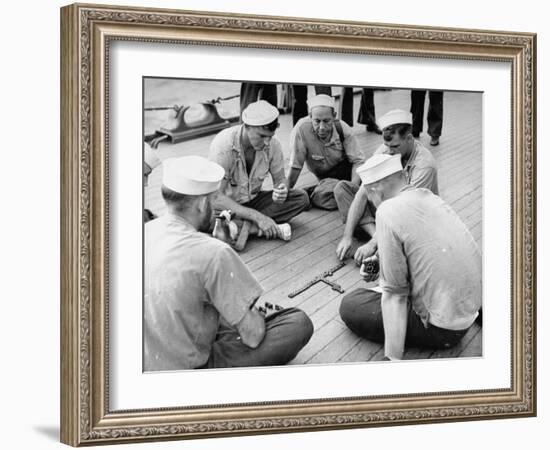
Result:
x=176 y=107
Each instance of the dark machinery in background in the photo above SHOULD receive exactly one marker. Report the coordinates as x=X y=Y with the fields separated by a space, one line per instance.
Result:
x=202 y=119
x=191 y=122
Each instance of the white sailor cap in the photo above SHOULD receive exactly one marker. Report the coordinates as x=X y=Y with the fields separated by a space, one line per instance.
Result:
x=259 y=113
x=192 y=175
x=321 y=100
x=149 y=156
x=394 y=117
x=379 y=166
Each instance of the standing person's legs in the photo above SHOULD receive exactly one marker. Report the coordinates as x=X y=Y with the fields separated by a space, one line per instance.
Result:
x=251 y=92
x=296 y=202
x=367 y=114
x=268 y=92
x=322 y=89
x=361 y=311
x=417 y=110
x=299 y=107
x=345 y=106
x=287 y=332
x=435 y=113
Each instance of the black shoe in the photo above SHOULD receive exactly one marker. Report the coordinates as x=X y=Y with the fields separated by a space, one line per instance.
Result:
x=374 y=129
x=434 y=141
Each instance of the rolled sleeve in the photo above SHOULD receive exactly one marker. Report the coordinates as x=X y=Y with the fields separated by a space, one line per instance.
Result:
x=230 y=285
x=298 y=151
x=425 y=177
x=394 y=273
x=351 y=147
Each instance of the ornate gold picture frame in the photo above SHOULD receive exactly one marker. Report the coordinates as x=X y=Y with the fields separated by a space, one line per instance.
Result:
x=87 y=33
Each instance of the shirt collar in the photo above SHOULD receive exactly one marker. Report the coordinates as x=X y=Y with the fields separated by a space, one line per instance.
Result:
x=171 y=217
x=407 y=187
x=411 y=159
x=237 y=139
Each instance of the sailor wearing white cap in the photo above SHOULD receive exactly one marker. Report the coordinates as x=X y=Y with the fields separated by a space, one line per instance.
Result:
x=328 y=148
x=435 y=113
x=198 y=294
x=150 y=161
x=248 y=153
x=430 y=267
x=357 y=208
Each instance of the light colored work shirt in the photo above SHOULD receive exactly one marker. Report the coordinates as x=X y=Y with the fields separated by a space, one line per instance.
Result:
x=320 y=156
x=427 y=253
x=420 y=170
x=191 y=281
x=227 y=150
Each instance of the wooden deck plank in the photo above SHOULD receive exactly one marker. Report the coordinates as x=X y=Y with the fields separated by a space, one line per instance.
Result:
x=324 y=258
x=279 y=293
x=302 y=225
x=319 y=295
x=323 y=336
x=362 y=351
x=474 y=347
x=299 y=247
x=335 y=349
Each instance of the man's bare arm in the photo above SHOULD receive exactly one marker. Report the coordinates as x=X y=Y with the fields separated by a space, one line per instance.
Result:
x=356 y=211
x=394 y=315
x=292 y=178
x=279 y=178
x=252 y=328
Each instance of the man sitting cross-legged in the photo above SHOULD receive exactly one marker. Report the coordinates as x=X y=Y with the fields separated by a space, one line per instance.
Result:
x=430 y=267
x=248 y=153
x=357 y=209
x=199 y=296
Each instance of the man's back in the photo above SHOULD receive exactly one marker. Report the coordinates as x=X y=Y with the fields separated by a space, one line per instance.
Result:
x=427 y=252
x=191 y=279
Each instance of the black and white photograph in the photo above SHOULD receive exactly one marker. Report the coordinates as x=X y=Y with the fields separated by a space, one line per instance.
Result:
x=294 y=224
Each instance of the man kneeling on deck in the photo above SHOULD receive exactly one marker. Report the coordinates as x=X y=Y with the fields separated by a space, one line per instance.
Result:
x=353 y=201
x=430 y=267
x=248 y=152
x=329 y=149
x=199 y=296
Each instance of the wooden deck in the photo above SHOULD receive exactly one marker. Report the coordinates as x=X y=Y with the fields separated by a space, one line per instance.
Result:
x=283 y=267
